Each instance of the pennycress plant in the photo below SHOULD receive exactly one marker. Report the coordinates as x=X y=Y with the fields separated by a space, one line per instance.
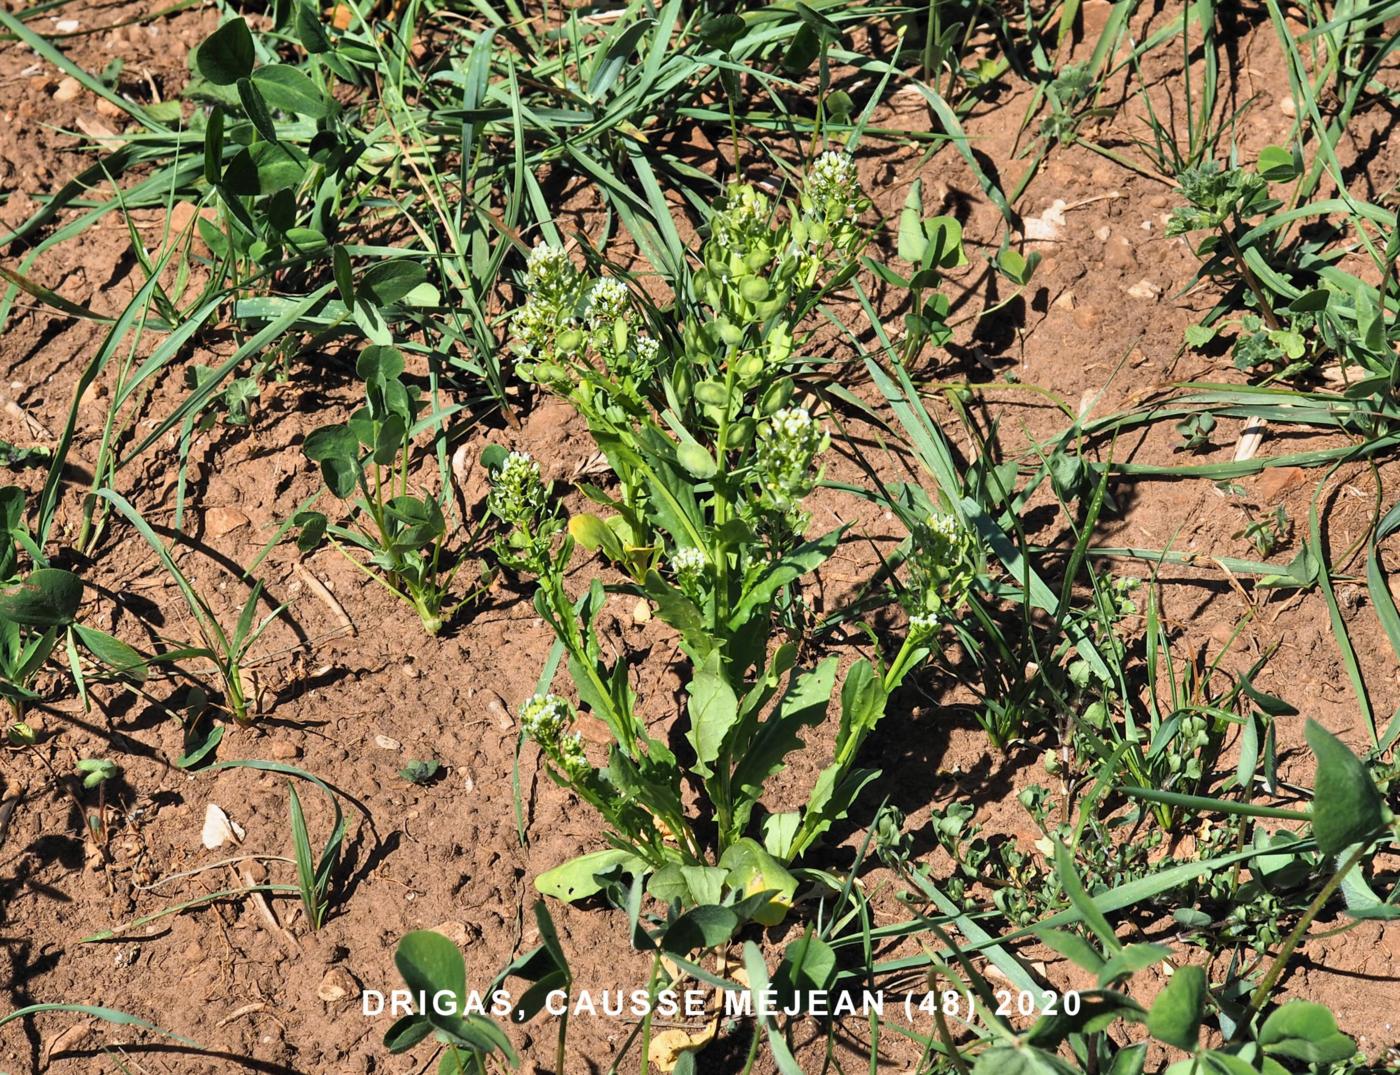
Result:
x=714 y=456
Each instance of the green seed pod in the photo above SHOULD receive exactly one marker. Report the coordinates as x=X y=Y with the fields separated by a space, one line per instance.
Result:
x=754 y=289
x=779 y=346
x=749 y=367
x=732 y=335
x=570 y=340
x=776 y=398
x=712 y=393
x=764 y=310
x=697 y=462
x=739 y=434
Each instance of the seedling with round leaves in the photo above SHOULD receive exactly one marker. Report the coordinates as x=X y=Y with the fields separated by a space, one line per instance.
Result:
x=432 y=967
x=365 y=461
x=1291 y=306
x=39 y=610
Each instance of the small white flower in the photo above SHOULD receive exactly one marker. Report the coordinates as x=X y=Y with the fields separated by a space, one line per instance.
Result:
x=688 y=563
x=571 y=757
x=689 y=559
x=647 y=350
x=832 y=183
x=544 y=718
x=787 y=448
x=546 y=262
x=942 y=566
x=607 y=302
x=517 y=491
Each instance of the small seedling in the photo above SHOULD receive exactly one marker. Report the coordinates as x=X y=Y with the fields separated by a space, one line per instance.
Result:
x=1268 y=534
x=228 y=651
x=1195 y=431
x=420 y=772
x=401 y=534
x=95 y=772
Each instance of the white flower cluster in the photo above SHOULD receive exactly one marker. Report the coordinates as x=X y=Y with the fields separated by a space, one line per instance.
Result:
x=944 y=526
x=923 y=624
x=741 y=222
x=832 y=184
x=547 y=269
x=517 y=491
x=544 y=718
x=689 y=564
x=607 y=303
x=551 y=281
x=788 y=444
x=942 y=567
x=648 y=350
x=571 y=757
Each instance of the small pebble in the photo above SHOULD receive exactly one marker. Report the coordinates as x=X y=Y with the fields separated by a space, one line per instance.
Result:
x=68 y=90
x=385 y=743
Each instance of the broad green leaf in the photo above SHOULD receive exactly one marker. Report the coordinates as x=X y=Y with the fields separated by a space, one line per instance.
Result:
x=1130 y=1061
x=1175 y=1017
x=389 y=281
x=406 y=1033
x=1073 y=947
x=331 y=442
x=1346 y=806
x=112 y=652
x=226 y=55
x=1303 y=1030
x=945 y=247
x=290 y=90
x=753 y=870
x=577 y=880
x=49 y=597
x=1277 y=165
x=912 y=240
x=430 y=963
x=713 y=709
x=809 y=965
x=1133 y=958
x=258 y=113
x=310 y=30
x=700 y=929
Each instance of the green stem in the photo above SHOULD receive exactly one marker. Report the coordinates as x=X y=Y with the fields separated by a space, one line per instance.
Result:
x=1265 y=988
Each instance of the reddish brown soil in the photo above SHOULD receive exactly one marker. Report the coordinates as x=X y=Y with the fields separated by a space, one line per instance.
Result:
x=449 y=856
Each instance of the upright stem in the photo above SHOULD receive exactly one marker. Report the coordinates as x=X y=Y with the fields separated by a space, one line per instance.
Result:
x=1261 y=994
